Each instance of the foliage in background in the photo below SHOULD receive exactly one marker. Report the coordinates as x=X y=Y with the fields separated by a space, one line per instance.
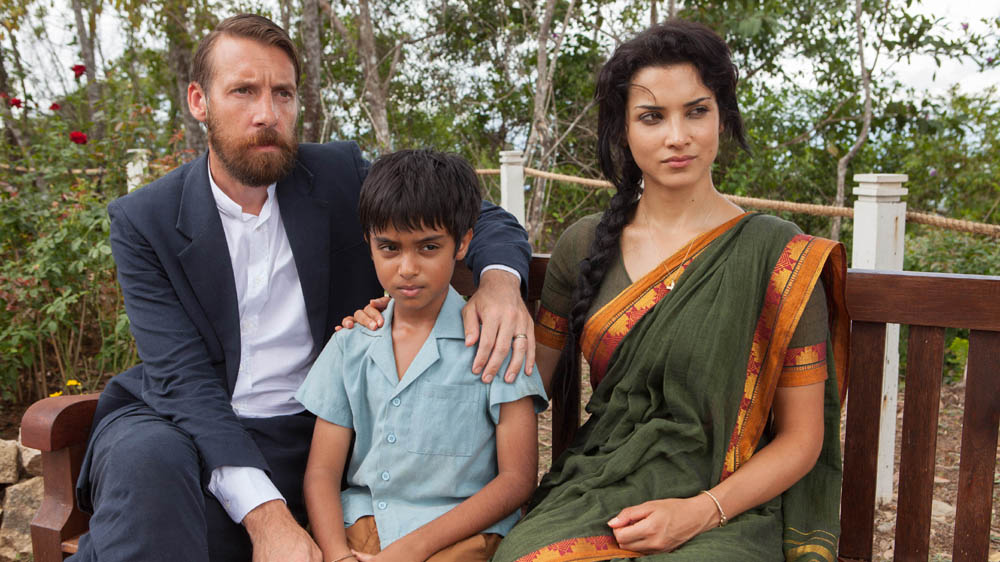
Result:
x=464 y=79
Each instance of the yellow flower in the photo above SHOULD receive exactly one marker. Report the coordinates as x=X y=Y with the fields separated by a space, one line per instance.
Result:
x=72 y=382
x=54 y=394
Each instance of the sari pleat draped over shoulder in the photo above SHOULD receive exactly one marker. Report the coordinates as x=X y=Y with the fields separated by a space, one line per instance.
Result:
x=697 y=349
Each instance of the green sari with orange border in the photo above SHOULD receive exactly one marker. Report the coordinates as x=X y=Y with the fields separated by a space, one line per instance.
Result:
x=690 y=357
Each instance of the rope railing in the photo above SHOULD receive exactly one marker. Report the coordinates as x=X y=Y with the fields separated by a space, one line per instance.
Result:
x=72 y=171
x=788 y=206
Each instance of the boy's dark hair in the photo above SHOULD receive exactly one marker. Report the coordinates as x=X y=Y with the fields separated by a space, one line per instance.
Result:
x=246 y=26
x=412 y=189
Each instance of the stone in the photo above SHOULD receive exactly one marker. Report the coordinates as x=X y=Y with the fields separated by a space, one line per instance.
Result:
x=19 y=506
x=10 y=468
x=31 y=459
x=942 y=511
x=884 y=527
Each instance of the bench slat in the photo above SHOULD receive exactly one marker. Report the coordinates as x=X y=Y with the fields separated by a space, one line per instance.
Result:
x=929 y=299
x=979 y=448
x=924 y=362
x=864 y=393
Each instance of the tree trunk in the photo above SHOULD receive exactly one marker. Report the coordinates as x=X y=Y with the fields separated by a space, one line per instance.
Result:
x=90 y=62
x=541 y=138
x=179 y=53
x=866 y=82
x=311 y=99
x=375 y=94
x=11 y=131
x=286 y=14
x=376 y=88
x=672 y=8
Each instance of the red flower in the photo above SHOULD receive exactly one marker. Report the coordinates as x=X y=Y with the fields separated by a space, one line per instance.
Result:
x=55 y=107
x=78 y=70
x=14 y=102
x=78 y=137
x=3 y=95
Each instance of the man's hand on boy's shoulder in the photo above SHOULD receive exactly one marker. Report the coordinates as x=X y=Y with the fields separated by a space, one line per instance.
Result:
x=495 y=317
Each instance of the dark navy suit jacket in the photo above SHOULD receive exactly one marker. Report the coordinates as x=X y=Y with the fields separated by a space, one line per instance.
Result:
x=177 y=279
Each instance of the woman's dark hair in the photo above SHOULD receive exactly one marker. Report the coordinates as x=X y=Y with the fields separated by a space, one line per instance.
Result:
x=671 y=42
x=412 y=189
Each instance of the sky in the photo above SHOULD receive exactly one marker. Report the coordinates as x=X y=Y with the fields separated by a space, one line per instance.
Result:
x=919 y=73
x=922 y=73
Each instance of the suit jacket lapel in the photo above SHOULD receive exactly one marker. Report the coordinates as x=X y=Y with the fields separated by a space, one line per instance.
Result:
x=207 y=264
x=307 y=225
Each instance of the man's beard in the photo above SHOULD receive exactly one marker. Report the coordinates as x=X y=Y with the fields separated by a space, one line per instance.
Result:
x=252 y=167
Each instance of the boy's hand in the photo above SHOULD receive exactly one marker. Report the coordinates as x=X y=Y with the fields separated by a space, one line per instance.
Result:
x=498 y=307
x=371 y=316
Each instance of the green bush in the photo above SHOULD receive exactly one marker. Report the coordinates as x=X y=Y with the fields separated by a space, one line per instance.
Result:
x=61 y=315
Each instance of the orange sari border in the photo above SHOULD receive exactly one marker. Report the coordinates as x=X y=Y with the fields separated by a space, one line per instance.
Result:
x=581 y=549
x=799 y=267
x=550 y=328
x=611 y=323
x=801 y=358
x=804 y=365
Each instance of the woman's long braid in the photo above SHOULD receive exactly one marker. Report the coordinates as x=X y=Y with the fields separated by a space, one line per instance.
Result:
x=566 y=391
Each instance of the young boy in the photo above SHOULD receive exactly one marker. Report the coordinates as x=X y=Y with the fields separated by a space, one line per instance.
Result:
x=441 y=462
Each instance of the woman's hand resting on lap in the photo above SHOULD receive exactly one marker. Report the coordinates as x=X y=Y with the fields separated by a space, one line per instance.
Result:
x=663 y=525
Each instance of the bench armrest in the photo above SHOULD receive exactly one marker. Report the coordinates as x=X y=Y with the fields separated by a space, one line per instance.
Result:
x=59 y=427
x=58 y=422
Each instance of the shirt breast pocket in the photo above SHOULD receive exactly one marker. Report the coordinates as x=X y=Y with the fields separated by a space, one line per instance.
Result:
x=447 y=419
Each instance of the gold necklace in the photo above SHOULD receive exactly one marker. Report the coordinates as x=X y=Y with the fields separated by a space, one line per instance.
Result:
x=687 y=252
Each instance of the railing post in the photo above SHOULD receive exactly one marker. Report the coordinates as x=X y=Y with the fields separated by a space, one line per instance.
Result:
x=135 y=170
x=879 y=229
x=512 y=183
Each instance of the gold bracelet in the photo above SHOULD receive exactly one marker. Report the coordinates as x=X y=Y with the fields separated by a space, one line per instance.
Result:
x=345 y=558
x=722 y=514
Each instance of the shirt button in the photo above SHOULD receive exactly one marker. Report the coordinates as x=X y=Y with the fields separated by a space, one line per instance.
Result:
x=382 y=505
x=385 y=476
x=395 y=401
x=391 y=438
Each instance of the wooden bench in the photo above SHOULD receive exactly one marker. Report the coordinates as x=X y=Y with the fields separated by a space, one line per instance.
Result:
x=928 y=303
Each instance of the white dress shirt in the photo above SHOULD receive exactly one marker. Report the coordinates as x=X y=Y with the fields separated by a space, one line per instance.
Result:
x=276 y=347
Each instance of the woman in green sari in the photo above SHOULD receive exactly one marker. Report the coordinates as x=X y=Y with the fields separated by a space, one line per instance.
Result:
x=715 y=338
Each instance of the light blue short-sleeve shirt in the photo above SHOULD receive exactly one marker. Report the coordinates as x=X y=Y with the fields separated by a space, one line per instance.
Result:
x=423 y=443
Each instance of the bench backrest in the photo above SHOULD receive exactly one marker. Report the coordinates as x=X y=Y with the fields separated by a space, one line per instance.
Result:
x=928 y=303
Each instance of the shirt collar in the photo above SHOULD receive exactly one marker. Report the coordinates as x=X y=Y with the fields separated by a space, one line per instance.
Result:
x=231 y=208
x=448 y=324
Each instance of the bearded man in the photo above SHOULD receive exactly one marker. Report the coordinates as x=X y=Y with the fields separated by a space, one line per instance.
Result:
x=235 y=269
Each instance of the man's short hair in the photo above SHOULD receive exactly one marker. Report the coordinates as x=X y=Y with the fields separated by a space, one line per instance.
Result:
x=412 y=189
x=247 y=26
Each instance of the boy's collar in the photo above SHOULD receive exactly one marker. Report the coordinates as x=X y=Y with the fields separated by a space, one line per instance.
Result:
x=449 y=320
x=447 y=325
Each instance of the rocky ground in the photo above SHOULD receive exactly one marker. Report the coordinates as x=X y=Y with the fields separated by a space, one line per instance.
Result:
x=21 y=489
